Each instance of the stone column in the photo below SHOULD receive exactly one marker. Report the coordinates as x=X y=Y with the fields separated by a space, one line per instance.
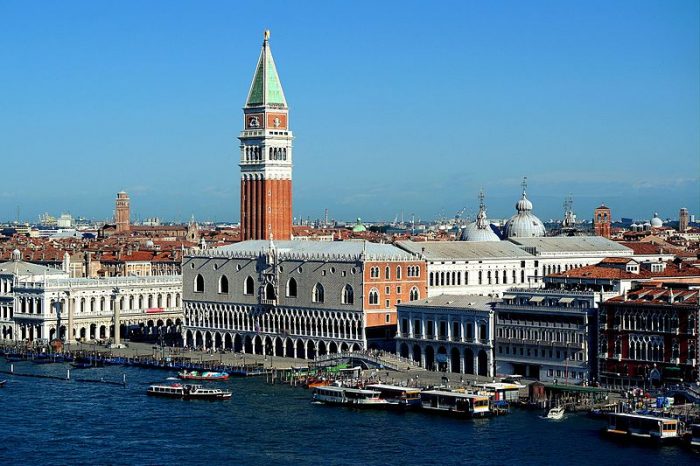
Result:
x=69 y=329
x=117 y=318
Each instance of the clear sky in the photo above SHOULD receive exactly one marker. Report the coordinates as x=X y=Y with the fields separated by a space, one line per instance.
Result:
x=396 y=105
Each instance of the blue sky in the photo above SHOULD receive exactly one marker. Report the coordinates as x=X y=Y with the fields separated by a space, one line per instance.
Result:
x=396 y=106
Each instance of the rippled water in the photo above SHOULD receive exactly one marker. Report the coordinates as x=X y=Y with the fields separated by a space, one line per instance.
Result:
x=59 y=422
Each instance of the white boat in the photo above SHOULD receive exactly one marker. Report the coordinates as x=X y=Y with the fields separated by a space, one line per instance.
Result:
x=556 y=413
x=188 y=392
x=355 y=397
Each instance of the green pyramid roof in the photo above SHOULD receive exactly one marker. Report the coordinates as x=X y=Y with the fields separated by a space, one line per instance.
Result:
x=266 y=88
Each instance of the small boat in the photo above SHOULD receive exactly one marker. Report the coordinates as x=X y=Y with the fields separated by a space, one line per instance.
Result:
x=188 y=392
x=556 y=413
x=196 y=375
x=81 y=365
x=354 y=397
x=2 y=383
x=455 y=403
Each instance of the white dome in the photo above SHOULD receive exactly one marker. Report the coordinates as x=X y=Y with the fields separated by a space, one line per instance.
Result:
x=524 y=224
x=656 y=222
x=472 y=232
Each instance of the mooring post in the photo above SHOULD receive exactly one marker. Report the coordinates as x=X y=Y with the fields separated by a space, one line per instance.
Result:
x=124 y=379
x=67 y=374
x=12 y=368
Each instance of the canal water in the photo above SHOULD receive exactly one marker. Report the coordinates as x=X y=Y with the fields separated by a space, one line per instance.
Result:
x=58 y=422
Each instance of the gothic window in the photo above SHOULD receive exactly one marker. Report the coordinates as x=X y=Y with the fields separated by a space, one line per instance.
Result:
x=691 y=350
x=675 y=349
x=223 y=284
x=248 y=285
x=618 y=346
x=387 y=273
x=291 y=288
x=374 y=272
x=482 y=331
x=398 y=272
x=481 y=277
x=317 y=295
x=432 y=278
x=374 y=296
x=199 y=284
x=270 y=292
x=347 y=296
x=414 y=295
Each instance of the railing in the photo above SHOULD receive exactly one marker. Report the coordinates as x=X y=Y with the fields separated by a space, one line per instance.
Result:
x=91 y=282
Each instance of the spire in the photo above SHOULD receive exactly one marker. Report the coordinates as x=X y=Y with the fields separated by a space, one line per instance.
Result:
x=481 y=216
x=266 y=88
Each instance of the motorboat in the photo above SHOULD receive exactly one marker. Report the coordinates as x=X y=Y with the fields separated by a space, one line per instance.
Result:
x=204 y=375
x=556 y=413
x=188 y=392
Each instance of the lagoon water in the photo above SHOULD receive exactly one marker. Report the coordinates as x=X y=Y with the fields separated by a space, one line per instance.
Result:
x=59 y=422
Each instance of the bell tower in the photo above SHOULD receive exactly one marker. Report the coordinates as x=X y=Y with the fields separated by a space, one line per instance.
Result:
x=266 y=156
x=602 y=221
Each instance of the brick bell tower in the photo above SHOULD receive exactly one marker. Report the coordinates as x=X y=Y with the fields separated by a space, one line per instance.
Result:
x=266 y=156
x=602 y=221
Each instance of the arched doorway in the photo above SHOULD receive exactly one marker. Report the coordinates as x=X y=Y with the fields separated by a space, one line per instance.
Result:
x=237 y=343
x=289 y=348
x=189 y=340
x=310 y=349
x=248 y=345
x=321 y=348
x=468 y=361
x=257 y=345
x=417 y=353
x=228 y=342
x=217 y=340
x=429 y=358
x=403 y=351
x=454 y=360
x=332 y=348
x=301 y=354
x=441 y=359
x=483 y=363
x=279 y=347
x=343 y=347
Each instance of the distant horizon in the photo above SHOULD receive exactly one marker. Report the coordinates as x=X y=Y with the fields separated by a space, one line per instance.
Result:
x=413 y=109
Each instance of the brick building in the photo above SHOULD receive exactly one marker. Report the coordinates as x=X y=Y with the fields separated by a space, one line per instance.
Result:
x=649 y=335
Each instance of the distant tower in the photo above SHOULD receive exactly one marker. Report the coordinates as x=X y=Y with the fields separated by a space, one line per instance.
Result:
x=601 y=221
x=266 y=156
x=121 y=217
x=683 y=220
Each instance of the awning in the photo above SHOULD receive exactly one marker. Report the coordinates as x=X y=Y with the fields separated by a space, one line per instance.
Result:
x=537 y=299
x=566 y=300
x=508 y=296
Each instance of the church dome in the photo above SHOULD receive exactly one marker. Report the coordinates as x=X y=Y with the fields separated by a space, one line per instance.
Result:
x=524 y=224
x=473 y=233
x=656 y=222
x=481 y=229
x=359 y=227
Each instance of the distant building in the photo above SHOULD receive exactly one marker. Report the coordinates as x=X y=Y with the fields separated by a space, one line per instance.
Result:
x=548 y=334
x=266 y=156
x=85 y=308
x=448 y=333
x=649 y=335
x=122 y=213
x=683 y=220
x=298 y=298
x=602 y=221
